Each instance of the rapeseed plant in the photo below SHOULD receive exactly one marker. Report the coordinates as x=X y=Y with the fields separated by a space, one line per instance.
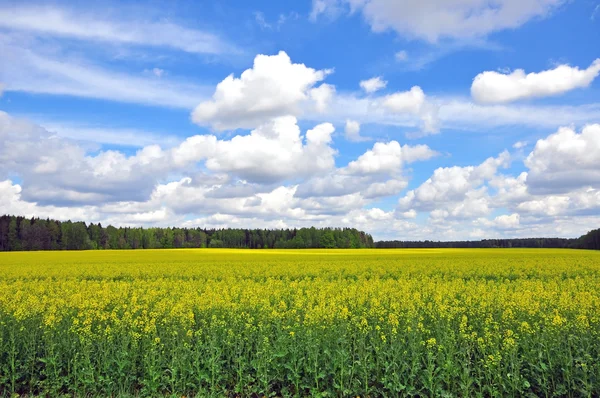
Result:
x=300 y=323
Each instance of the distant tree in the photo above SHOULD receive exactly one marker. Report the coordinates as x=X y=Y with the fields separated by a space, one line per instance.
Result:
x=13 y=235
x=591 y=240
x=327 y=239
x=167 y=238
x=215 y=243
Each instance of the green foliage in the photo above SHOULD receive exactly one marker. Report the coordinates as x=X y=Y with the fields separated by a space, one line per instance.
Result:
x=591 y=240
x=327 y=240
x=18 y=233
x=215 y=243
x=14 y=243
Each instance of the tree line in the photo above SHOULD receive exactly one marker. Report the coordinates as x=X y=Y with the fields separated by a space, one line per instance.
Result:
x=20 y=233
x=591 y=240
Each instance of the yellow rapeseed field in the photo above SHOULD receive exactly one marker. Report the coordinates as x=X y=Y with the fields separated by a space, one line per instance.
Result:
x=426 y=322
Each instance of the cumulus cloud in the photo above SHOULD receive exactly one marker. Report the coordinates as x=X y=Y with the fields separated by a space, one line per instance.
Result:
x=406 y=101
x=549 y=205
x=504 y=221
x=322 y=96
x=11 y=202
x=376 y=173
x=276 y=176
x=338 y=183
x=382 y=189
x=414 y=102
x=580 y=202
x=455 y=191
x=272 y=152
x=373 y=84
x=273 y=87
x=432 y=20
x=495 y=87
x=55 y=169
x=59 y=171
x=565 y=160
x=388 y=158
x=561 y=183
x=510 y=190
x=507 y=221
x=352 y=131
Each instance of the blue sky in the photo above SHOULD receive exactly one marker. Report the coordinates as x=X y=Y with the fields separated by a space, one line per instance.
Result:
x=429 y=120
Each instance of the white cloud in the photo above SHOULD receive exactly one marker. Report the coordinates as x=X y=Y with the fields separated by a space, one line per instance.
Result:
x=509 y=190
x=273 y=87
x=414 y=153
x=548 y=205
x=382 y=189
x=475 y=203
x=376 y=173
x=341 y=183
x=519 y=144
x=507 y=221
x=352 y=131
x=408 y=109
x=424 y=115
x=406 y=101
x=455 y=190
x=46 y=20
x=561 y=185
x=401 y=56
x=98 y=134
x=580 y=202
x=322 y=96
x=11 y=202
x=502 y=222
x=384 y=157
x=373 y=84
x=409 y=214
x=31 y=70
x=414 y=102
x=432 y=20
x=464 y=114
x=565 y=160
x=440 y=112
x=388 y=158
x=495 y=87
x=276 y=176
x=452 y=113
x=274 y=151
x=320 y=135
x=57 y=170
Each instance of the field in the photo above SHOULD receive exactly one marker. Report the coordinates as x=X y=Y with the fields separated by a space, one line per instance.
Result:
x=428 y=322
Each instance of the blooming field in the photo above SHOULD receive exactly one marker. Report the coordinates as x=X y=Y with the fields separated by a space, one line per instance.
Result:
x=318 y=323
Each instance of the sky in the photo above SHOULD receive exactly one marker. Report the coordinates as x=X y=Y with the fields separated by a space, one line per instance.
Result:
x=437 y=119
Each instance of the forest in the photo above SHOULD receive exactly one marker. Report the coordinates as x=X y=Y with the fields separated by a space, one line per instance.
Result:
x=20 y=233
x=591 y=240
